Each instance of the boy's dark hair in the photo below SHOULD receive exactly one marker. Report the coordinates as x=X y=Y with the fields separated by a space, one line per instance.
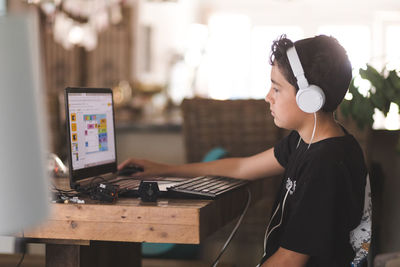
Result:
x=325 y=64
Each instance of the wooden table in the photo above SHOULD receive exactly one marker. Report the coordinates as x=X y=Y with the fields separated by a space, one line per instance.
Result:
x=95 y=234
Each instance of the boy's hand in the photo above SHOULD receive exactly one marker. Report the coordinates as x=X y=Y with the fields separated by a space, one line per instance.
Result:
x=150 y=168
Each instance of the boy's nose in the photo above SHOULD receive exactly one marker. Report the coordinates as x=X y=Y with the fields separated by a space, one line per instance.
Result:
x=268 y=98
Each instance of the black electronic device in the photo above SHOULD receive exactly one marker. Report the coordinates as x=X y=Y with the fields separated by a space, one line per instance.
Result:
x=104 y=192
x=90 y=132
x=148 y=191
x=92 y=140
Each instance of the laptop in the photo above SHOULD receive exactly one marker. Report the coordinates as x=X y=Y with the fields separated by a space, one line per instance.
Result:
x=93 y=153
x=92 y=143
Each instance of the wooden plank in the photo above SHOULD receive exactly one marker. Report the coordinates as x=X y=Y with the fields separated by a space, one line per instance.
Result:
x=126 y=232
x=126 y=214
x=59 y=241
x=130 y=220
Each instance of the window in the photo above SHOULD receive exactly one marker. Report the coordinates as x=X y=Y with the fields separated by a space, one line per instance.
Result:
x=392 y=58
x=236 y=62
x=356 y=39
x=392 y=46
x=262 y=38
x=227 y=62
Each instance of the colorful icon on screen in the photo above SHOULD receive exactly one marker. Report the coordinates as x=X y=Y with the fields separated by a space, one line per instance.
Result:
x=75 y=147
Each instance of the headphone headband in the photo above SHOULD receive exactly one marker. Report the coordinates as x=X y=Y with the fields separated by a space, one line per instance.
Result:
x=297 y=69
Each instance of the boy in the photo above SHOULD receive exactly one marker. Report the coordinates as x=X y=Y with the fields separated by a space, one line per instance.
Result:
x=321 y=198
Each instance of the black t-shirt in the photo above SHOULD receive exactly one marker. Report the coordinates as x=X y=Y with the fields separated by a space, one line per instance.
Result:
x=324 y=187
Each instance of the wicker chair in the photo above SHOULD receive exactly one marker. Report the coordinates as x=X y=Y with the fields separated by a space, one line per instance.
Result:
x=242 y=127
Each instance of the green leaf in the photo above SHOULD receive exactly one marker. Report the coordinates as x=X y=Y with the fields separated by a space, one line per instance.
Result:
x=361 y=110
x=393 y=83
x=345 y=108
x=372 y=75
x=380 y=101
x=394 y=80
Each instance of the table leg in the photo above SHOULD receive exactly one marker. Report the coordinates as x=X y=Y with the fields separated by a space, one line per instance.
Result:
x=98 y=254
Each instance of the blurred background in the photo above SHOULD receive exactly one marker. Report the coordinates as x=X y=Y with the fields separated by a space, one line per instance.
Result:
x=155 y=53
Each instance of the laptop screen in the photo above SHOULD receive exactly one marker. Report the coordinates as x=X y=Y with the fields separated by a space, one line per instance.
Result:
x=90 y=131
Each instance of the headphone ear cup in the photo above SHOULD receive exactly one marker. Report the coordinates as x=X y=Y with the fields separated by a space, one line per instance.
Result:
x=310 y=99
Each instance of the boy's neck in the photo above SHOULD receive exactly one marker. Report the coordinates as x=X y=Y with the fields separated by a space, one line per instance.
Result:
x=326 y=127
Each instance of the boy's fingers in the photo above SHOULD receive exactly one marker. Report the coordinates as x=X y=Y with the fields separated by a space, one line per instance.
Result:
x=125 y=163
x=122 y=165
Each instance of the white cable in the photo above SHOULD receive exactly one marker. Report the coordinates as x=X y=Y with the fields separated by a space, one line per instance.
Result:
x=269 y=224
x=280 y=222
x=298 y=143
x=267 y=232
x=284 y=200
x=313 y=132
x=215 y=263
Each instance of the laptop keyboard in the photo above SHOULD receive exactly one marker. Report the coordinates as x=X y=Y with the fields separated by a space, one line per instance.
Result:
x=129 y=184
x=207 y=186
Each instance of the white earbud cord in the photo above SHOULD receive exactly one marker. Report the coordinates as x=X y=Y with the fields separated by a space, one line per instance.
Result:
x=267 y=232
x=298 y=143
x=313 y=132
x=269 y=224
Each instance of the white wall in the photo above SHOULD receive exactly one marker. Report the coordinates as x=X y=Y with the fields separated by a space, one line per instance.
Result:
x=168 y=21
x=165 y=147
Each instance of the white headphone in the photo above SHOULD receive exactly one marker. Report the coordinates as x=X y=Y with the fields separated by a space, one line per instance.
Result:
x=310 y=98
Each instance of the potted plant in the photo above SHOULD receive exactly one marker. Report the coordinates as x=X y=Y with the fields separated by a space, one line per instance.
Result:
x=385 y=90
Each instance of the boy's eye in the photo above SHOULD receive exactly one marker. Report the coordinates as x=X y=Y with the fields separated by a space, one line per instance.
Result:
x=275 y=90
